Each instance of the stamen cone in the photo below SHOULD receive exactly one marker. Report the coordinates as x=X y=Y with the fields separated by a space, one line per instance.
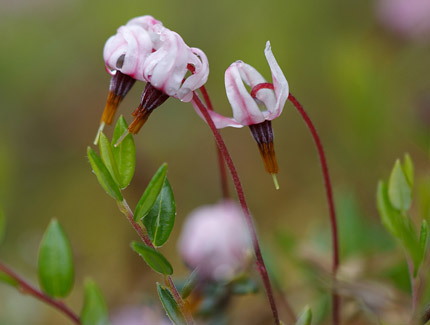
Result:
x=151 y=99
x=111 y=106
x=263 y=135
x=120 y=85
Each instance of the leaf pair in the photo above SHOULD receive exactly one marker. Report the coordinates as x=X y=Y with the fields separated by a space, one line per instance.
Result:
x=115 y=166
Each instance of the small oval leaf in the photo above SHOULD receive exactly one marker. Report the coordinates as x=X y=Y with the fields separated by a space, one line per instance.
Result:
x=408 y=167
x=170 y=305
x=55 y=264
x=161 y=218
x=94 y=311
x=190 y=283
x=154 y=259
x=124 y=153
x=103 y=176
x=108 y=159
x=390 y=217
x=399 y=190
x=151 y=193
x=305 y=318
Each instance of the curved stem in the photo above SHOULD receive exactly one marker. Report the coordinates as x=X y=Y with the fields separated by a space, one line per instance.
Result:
x=329 y=194
x=25 y=287
x=125 y=209
x=222 y=170
x=259 y=258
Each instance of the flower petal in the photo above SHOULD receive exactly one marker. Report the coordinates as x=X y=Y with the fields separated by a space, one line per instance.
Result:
x=219 y=120
x=127 y=50
x=167 y=66
x=245 y=109
x=252 y=78
x=200 y=62
x=280 y=84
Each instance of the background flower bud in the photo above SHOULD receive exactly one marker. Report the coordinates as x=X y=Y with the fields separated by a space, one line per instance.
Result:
x=215 y=239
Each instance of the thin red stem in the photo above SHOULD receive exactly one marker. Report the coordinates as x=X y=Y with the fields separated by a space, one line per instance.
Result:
x=259 y=258
x=329 y=193
x=222 y=170
x=125 y=208
x=25 y=287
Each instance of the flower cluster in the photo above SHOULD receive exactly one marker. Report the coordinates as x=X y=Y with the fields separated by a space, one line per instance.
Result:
x=145 y=50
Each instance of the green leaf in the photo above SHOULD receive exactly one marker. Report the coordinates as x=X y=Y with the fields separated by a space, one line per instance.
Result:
x=103 y=176
x=170 y=305
x=190 y=283
x=151 y=193
x=154 y=259
x=124 y=153
x=305 y=318
x=55 y=264
x=399 y=190
x=94 y=311
x=244 y=286
x=408 y=168
x=400 y=226
x=161 y=218
x=8 y=280
x=390 y=217
x=2 y=226
x=108 y=159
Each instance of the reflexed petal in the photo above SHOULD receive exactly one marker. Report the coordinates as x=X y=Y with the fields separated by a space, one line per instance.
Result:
x=280 y=84
x=132 y=45
x=167 y=66
x=245 y=109
x=252 y=78
x=151 y=25
x=200 y=62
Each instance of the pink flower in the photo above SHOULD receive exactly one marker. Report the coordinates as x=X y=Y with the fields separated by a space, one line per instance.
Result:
x=411 y=18
x=255 y=108
x=245 y=104
x=145 y=50
x=215 y=240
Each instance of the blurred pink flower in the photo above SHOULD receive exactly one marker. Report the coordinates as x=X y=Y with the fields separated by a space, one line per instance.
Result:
x=215 y=240
x=410 y=18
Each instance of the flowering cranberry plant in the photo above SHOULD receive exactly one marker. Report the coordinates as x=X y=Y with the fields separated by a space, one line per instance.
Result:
x=218 y=243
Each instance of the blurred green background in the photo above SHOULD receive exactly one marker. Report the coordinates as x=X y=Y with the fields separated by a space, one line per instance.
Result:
x=366 y=88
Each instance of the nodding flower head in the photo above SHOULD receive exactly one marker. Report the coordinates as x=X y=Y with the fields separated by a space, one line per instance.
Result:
x=215 y=240
x=145 y=50
x=257 y=107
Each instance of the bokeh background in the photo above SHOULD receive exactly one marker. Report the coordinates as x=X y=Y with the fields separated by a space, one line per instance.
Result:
x=362 y=73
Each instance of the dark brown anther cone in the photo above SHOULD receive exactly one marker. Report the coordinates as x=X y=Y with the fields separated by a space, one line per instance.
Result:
x=263 y=135
x=120 y=84
x=151 y=99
